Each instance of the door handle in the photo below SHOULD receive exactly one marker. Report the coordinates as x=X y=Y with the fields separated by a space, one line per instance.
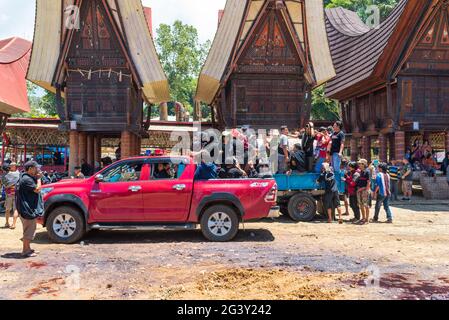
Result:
x=135 y=188
x=179 y=187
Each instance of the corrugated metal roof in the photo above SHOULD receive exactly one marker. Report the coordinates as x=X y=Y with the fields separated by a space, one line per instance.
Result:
x=227 y=33
x=14 y=59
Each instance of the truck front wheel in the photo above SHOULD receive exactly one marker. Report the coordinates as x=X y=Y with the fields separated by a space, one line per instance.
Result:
x=65 y=225
x=302 y=207
x=219 y=223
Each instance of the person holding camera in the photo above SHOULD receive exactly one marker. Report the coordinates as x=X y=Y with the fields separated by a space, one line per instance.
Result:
x=29 y=204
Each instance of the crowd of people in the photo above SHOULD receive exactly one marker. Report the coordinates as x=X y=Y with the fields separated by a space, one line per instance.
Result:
x=243 y=154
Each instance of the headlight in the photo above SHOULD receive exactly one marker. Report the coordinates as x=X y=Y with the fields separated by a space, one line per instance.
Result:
x=45 y=191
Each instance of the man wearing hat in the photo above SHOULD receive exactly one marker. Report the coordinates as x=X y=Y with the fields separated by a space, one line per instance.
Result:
x=363 y=190
x=9 y=182
x=29 y=204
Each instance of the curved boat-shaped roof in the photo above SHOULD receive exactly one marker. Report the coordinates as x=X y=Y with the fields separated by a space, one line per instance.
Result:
x=240 y=15
x=355 y=53
x=14 y=59
x=346 y=22
x=130 y=18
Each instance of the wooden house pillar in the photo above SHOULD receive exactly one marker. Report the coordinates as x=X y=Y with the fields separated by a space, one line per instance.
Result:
x=97 y=149
x=82 y=151
x=399 y=145
x=366 y=148
x=446 y=141
x=74 y=148
x=90 y=149
x=391 y=147
x=383 y=148
x=197 y=116
x=139 y=146
x=126 y=144
x=163 y=111
x=354 y=146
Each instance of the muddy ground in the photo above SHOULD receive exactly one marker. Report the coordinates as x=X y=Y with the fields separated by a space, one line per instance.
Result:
x=269 y=260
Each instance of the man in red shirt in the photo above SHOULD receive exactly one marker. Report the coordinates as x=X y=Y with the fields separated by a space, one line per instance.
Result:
x=323 y=140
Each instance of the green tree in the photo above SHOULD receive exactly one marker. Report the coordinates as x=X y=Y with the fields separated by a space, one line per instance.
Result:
x=182 y=56
x=42 y=103
x=360 y=6
x=322 y=107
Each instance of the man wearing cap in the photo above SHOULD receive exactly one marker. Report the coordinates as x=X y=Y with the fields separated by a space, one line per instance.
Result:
x=29 y=204
x=9 y=182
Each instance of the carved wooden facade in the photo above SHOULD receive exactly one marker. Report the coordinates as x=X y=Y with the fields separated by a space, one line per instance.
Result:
x=396 y=76
x=266 y=58
x=100 y=89
x=268 y=87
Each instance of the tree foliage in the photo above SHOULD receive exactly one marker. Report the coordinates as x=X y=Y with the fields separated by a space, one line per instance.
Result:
x=361 y=6
x=322 y=107
x=42 y=103
x=182 y=56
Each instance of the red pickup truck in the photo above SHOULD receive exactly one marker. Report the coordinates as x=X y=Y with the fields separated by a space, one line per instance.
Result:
x=132 y=195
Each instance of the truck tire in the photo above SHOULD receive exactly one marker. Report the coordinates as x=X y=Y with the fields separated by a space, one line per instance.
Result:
x=219 y=223
x=302 y=207
x=65 y=225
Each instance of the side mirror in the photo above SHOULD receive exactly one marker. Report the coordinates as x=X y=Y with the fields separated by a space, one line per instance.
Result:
x=99 y=178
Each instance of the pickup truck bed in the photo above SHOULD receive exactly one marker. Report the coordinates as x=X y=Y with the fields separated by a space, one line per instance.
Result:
x=300 y=194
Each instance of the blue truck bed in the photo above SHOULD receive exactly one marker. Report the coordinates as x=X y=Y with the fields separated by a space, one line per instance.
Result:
x=303 y=182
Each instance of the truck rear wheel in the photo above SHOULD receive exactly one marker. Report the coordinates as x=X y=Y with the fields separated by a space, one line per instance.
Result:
x=302 y=207
x=219 y=223
x=65 y=225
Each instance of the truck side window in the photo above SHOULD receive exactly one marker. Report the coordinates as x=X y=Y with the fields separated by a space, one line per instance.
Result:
x=164 y=171
x=124 y=172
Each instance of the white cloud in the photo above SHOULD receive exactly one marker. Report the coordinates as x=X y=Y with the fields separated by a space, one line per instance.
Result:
x=202 y=14
x=3 y=18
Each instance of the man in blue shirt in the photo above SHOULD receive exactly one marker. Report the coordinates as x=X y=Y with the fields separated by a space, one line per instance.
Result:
x=382 y=193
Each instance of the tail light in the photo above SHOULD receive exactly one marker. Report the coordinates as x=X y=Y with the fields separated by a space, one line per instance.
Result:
x=272 y=194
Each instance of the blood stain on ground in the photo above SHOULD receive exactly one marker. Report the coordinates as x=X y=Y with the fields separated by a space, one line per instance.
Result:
x=36 y=265
x=47 y=287
x=4 y=266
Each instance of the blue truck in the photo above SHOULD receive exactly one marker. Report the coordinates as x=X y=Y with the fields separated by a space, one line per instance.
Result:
x=300 y=195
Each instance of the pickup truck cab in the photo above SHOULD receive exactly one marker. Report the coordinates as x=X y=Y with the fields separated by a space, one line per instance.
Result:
x=130 y=195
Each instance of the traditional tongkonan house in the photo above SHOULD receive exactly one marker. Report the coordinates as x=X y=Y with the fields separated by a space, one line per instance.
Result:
x=98 y=56
x=266 y=57
x=392 y=81
x=14 y=60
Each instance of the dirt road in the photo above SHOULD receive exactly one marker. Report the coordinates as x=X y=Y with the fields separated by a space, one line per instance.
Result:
x=269 y=260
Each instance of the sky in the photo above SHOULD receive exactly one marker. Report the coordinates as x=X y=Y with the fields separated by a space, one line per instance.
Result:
x=17 y=16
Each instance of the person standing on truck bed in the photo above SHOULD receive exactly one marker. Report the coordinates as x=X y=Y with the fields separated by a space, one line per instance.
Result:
x=283 y=154
x=336 y=146
x=323 y=140
x=307 y=142
x=331 y=197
